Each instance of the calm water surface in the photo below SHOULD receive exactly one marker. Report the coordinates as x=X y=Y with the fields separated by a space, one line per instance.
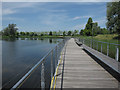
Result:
x=19 y=56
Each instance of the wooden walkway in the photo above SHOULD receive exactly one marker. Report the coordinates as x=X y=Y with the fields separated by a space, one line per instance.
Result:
x=81 y=71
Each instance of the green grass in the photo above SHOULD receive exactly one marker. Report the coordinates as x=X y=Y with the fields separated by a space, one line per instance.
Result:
x=109 y=38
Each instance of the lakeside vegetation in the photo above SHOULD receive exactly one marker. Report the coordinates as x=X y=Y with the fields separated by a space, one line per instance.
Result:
x=110 y=38
x=92 y=30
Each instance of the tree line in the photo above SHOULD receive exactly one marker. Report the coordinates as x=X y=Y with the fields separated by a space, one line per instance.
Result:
x=91 y=28
x=12 y=31
x=113 y=22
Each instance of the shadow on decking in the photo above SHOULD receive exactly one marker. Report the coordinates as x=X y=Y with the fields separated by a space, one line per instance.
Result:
x=105 y=66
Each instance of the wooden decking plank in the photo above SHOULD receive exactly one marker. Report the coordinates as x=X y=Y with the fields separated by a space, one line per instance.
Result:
x=81 y=71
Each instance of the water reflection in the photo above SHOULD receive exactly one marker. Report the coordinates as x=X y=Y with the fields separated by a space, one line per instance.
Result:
x=19 y=55
x=10 y=39
x=50 y=40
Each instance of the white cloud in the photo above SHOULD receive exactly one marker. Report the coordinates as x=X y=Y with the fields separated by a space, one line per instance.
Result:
x=13 y=8
x=8 y=11
x=11 y=18
x=80 y=17
x=52 y=19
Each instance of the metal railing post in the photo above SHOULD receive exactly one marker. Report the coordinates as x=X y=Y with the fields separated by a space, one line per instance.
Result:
x=56 y=57
x=51 y=64
x=91 y=43
x=101 y=47
x=107 y=49
x=83 y=41
x=97 y=45
x=117 y=53
x=42 y=77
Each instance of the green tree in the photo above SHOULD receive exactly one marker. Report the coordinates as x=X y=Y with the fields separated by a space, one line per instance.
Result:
x=6 y=31
x=113 y=17
x=22 y=33
x=35 y=34
x=94 y=28
x=64 y=33
x=41 y=34
x=10 y=30
x=31 y=34
x=50 y=33
x=88 y=27
x=69 y=33
x=82 y=32
x=27 y=33
x=76 y=32
x=104 y=31
x=17 y=33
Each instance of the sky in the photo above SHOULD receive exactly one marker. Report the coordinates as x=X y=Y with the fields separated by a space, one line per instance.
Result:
x=52 y=16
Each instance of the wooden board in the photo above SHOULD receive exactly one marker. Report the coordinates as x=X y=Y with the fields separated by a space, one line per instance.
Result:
x=81 y=71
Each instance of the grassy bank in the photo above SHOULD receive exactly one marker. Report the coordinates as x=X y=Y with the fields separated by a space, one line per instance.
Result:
x=109 y=38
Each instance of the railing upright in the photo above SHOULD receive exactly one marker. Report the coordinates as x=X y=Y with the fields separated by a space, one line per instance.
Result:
x=117 y=53
x=51 y=64
x=101 y=47
x=108 y=49
x=42 y=77
x=97 y=45
x=56 y=57
x=91 y=43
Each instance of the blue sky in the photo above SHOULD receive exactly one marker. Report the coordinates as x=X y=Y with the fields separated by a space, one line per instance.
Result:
x=52 y=16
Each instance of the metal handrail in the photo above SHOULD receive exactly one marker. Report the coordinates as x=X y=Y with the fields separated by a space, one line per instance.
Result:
x=53 y=81
x=92 y=45
x=33 y=68
x=106 y=42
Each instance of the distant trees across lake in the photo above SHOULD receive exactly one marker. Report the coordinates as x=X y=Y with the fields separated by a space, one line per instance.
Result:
x=91 y=28
x=12 y=31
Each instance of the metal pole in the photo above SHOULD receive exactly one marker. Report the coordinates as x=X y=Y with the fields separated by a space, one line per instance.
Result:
x=97 y=45
x=56 y=57
x=117 y=53
x=101 y=47
x=107 y=49
x=92 y=33
x=91 y=43
x=42 y=77
x=51 y=64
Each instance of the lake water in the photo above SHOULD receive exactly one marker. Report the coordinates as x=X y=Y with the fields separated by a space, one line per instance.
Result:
x=18 y=56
